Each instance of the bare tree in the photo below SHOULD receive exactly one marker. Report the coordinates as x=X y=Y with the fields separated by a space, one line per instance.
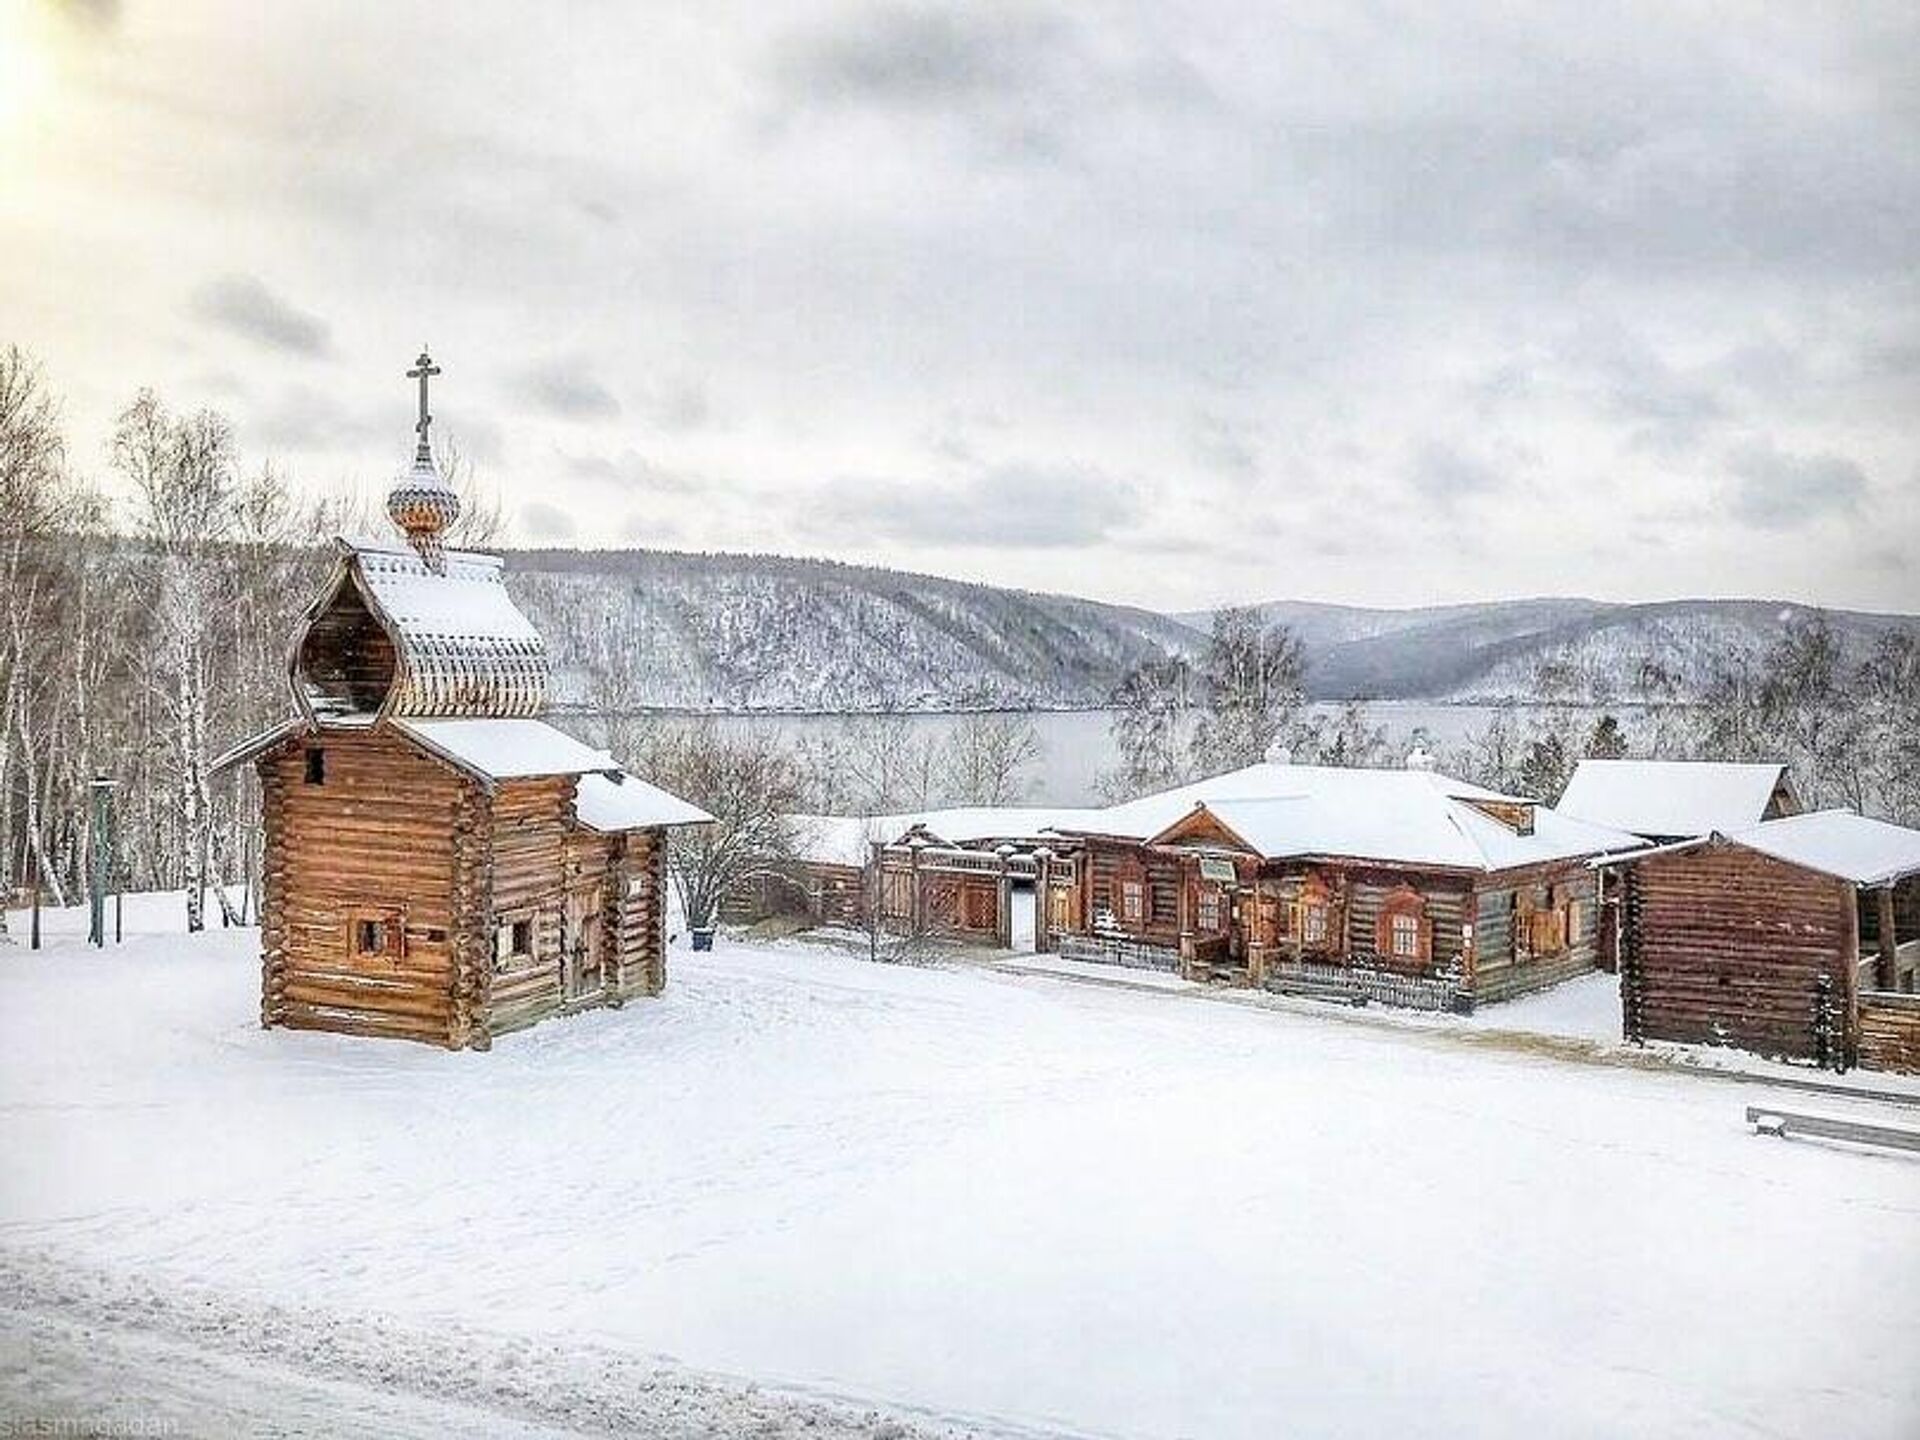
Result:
x=1352 y=739
x=987 y=759
x=183 y=469
x=890 y=764
x=748 y=783
x=1152 y=713
x=1252 y=674
x=34 y=502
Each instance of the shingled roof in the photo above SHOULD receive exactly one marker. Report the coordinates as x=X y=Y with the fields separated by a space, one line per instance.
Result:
x=392 y=636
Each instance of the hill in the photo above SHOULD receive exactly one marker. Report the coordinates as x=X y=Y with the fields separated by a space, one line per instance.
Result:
x=1542 y=648
x=757 y=632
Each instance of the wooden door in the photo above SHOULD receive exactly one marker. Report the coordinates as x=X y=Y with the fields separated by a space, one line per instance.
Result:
x=582 y=956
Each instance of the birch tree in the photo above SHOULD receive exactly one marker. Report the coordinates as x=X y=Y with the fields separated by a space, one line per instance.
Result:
x=183 y=470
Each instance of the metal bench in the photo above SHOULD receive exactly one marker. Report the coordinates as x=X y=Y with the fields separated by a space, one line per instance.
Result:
x=1766 y=1120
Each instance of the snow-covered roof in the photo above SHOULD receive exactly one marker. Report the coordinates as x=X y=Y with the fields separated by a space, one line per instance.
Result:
x=254 y=746
x=1333 y=786
x=842 y=839
x=1840 y=843
x=1670 y=797
x=455 y=643
x=970 y=824
x=463 y=647
x=510 y=749
x=848 y=839
x=611 y=802
x=1405 y=817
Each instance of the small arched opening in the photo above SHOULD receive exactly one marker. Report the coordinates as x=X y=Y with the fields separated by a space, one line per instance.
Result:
x=346 y=661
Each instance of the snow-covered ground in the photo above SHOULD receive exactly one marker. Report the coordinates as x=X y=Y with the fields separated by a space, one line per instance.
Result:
x=970 y=1199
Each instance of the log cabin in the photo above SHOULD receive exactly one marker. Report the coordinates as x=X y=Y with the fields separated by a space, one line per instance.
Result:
x=1665 y=801
x=1398 y=885
x=439 y=863
x=1796 y=938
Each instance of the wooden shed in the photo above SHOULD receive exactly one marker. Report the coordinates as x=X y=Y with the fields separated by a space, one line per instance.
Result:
x=1797 y=938
x=439 y=863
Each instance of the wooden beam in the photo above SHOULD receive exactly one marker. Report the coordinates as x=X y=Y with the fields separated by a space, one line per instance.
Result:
x=1889 y=974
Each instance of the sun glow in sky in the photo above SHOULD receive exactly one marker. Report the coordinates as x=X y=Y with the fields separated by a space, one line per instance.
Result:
x=26 y=67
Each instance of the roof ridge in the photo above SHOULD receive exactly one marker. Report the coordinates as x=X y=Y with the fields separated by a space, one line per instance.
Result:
x=1454 y=806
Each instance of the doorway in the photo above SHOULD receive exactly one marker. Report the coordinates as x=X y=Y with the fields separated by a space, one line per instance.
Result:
x=582 y=971
x=1022 y=928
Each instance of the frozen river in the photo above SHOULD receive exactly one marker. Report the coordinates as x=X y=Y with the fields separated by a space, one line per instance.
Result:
x=1076 y=745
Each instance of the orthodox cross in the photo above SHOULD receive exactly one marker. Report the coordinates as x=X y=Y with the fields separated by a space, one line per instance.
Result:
x=423 y=370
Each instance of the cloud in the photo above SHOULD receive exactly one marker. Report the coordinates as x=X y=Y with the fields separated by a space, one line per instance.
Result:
x=303 y=417
x=546 y=524
x=1179 y=244
x=1774 y=490
x=1027 y=82
x=565 y=389
x=1225 y=447
x=919 y=56
x=675 y=404
x=1008 y=506
x=630 y=470
x=1446 y=475
x=243 y=306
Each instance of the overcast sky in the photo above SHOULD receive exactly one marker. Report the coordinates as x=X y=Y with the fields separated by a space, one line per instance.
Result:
x=1170 y=304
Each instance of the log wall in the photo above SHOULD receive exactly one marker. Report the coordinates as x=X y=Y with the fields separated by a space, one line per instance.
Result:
x=637 y=921
x=1108 y=867
x=1889 y=1031
x=1502 y=967
x=1726 y=946
x=394 y=835
x=374 y=839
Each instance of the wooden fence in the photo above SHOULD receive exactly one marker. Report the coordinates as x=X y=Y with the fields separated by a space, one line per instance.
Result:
x=1359 y=985
x=1113 y=950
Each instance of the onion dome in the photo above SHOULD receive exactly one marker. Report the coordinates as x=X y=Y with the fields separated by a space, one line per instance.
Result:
x=421 y=503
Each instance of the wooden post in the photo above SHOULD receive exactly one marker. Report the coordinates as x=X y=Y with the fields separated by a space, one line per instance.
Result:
x=1042 y=900
x=918 y=907
x=100 y=791
x=1889 y=973
x=1003 y=898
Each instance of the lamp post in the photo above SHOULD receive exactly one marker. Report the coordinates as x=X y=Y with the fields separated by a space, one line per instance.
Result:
x=100 y=794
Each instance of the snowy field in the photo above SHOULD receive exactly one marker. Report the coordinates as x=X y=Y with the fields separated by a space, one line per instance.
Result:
x=903 y=1201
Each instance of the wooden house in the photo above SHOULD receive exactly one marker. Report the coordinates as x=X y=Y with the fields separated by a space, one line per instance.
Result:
x=439 y=863
x=1797 y=938
x=1404 y=886
x=1663 y=801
